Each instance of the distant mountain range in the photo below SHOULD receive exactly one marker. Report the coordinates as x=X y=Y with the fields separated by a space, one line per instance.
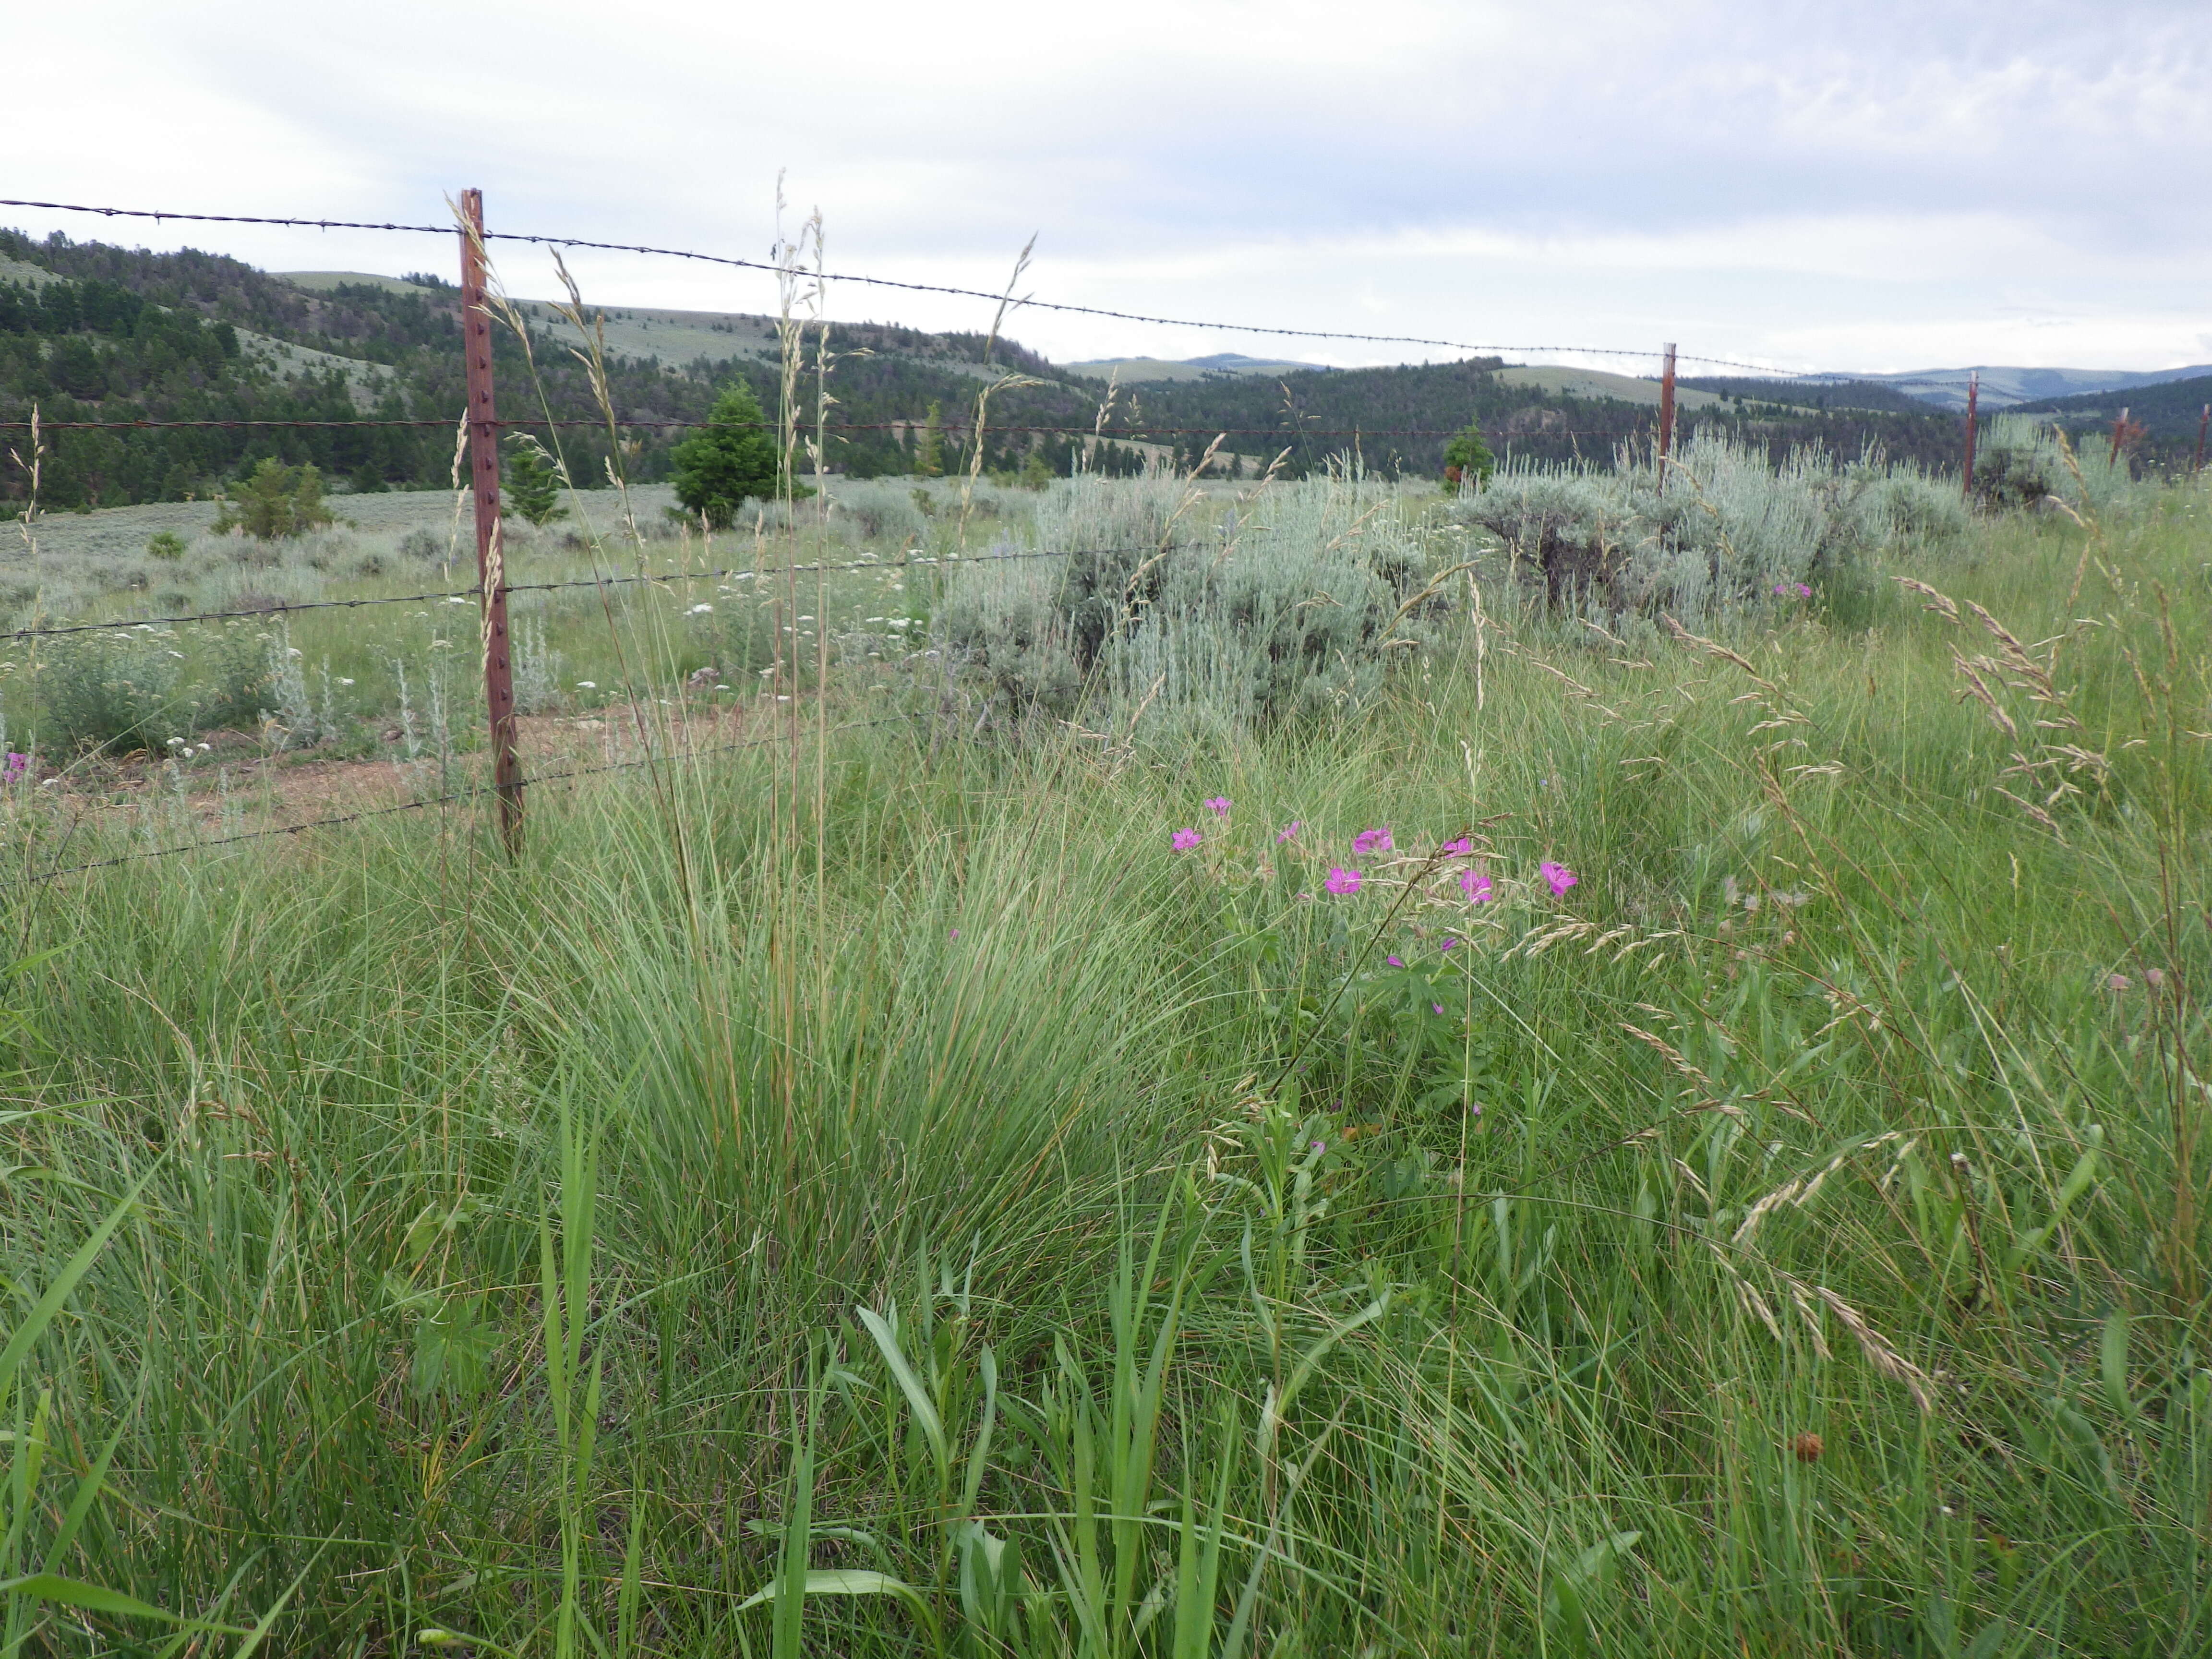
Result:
x=2003 y=386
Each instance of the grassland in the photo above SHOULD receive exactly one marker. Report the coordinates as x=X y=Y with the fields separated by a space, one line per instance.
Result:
x=871 y=1193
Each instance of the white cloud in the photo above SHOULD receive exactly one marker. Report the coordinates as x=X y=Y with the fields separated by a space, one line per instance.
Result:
x=1874 y=184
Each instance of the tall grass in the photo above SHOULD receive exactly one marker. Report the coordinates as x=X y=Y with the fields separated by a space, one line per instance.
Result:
x=946 y=1219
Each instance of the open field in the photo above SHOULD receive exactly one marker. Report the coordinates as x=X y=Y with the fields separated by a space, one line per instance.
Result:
x=876 y=1193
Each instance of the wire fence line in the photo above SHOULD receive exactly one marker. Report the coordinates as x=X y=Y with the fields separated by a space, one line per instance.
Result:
x=492 y=589
x=1025 y=304
x=475 y=792
x=950 y=429
x=281 y=607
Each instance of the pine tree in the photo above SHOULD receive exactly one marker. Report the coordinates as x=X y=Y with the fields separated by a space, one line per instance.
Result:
x=929 y=450
x=728 y=461
x=530 y=485
x=275 y=501
x=1467 y=459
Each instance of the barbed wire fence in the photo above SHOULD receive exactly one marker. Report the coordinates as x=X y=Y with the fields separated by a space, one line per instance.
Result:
x=484 y=429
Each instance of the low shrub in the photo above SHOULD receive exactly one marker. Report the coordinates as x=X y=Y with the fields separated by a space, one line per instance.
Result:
x=131 y=689
x=1723 y=529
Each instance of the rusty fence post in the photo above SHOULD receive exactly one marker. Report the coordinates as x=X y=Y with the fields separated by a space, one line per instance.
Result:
x=2204 y=420
x=1973 y=419
x=491 y=565
x=2119 y=429
x=1665 y=412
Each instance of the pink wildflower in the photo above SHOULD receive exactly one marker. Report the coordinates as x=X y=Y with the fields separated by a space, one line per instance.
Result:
x=955 y=933
x=1185 y=839
x=1475 y=884
x=1803 y=592
x=1438 y=1006
x=1219 y=805
x=1395 y=961
x=1462 y=847
x=1372 y=840
x=1341 y=880
x=1288 y=830
x=1448 y=943
x=1558 y=875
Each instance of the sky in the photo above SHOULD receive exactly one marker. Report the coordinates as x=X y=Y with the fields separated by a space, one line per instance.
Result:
x=1865 y=187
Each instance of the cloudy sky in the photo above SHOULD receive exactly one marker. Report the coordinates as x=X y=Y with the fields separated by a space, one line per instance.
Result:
x=1871 y=185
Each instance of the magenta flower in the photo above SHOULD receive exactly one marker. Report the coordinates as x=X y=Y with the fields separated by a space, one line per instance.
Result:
x=1220 y=806
x=1372 y=840
x=1341 y=880
x=1464 y=846
x=1475 y=884
x=1438 y=1006
x=955 y=933
x=17 y=764
x=1448 y=943
x=1288 y=830
x=1185 y=839
x=1558 y=875
x=1803 y=592
x=1394 y=962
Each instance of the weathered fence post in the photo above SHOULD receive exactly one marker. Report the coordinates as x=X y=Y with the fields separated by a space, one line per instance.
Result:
x=491 y=565
x=1973 y=407
x=2119 y=430
x=1665 y=412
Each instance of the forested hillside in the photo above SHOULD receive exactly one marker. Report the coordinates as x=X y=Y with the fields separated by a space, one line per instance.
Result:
x=96 y=333
x=2169 y=414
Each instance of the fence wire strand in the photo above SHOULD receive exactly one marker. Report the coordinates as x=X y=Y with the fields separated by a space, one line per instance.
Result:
x=771 y=269
x=366 y=813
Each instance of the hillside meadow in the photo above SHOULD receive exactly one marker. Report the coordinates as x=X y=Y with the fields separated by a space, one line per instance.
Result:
x=1602 y=1129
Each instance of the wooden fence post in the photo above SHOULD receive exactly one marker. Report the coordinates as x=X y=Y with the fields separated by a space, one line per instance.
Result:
x=1665 y=412
x=1973 y=404
x=491 y=564
x=2196 y=465
x=2119 y=428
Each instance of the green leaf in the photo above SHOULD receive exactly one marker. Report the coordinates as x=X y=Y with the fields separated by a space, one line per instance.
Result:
x=917 y=1397
x=49 y=1304
x=71 y=1592
x=842 y=1582
x=2113 y=1356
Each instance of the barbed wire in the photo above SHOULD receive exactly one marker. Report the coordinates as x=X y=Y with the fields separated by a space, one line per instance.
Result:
x=954 y=432
x=770 y=268
x=939 y=561
x=450 y=796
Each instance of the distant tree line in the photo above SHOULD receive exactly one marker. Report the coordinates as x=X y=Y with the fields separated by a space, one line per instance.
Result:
x=122 y=334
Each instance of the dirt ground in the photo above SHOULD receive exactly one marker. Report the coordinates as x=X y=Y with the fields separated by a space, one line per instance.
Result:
x=236 y=785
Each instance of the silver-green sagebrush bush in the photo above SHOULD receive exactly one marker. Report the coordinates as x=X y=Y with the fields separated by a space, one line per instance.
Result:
x=1281 y=605
x=128 y=689
x=1722 y=529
